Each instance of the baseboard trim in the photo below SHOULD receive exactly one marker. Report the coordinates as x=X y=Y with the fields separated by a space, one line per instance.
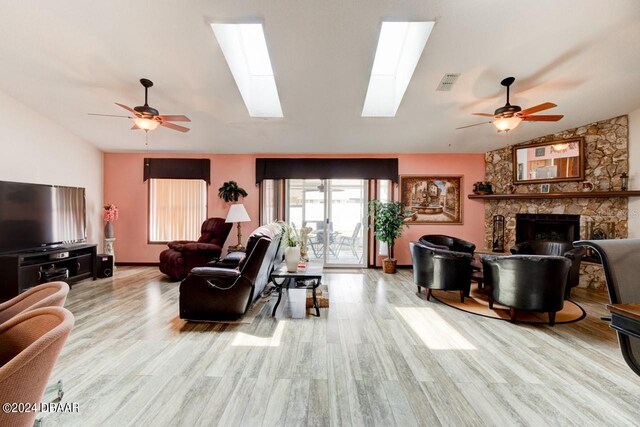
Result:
x=137 y=264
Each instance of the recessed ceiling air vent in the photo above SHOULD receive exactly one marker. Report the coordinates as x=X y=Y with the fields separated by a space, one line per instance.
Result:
x=447 y=81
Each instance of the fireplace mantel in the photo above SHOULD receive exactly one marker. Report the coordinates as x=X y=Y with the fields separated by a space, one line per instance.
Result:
x=564 y=195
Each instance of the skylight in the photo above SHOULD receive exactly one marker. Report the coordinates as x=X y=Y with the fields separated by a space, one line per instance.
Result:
x=245 y=49
x=399 y=48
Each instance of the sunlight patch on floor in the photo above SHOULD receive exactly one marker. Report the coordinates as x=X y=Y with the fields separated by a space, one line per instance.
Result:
x=435 y=332
x=247 y=340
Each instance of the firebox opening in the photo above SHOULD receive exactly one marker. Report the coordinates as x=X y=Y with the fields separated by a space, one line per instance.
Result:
x=556 y=227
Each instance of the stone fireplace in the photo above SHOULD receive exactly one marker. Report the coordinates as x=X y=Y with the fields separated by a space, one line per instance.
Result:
x=563 y=228
x=606 y=158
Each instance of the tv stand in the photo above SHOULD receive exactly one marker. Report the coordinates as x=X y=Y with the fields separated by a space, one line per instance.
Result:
x=20 y=271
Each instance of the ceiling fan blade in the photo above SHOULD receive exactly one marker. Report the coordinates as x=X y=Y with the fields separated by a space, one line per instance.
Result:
x=110 y=115
x=483 y=114
x=543 y=118
x=537 y=108
x=477 y=124
x=174 y=127
x=174 y=118
x=129 y=109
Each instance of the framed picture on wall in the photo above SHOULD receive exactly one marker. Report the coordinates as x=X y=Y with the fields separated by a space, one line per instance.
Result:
x=433 y=199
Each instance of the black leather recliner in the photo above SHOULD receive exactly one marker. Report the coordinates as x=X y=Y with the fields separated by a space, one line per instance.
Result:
x=527 y=282
x=550 y=247
x=447 y=242
x=440 y=269
x=214 y=293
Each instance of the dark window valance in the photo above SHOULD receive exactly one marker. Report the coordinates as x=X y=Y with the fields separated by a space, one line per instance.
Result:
x=326 y=169
x=178 y=169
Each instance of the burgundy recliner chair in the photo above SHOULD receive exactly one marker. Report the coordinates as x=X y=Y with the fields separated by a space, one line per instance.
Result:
x=182 y=255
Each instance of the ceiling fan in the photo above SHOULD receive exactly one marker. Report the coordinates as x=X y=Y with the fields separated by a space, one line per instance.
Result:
x=509 y=117
x=148 y=118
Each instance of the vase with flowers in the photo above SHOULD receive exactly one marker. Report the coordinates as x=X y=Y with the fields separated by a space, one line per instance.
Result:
x=109 y=215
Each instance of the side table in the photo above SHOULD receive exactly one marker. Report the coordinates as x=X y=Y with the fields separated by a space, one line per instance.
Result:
x=312 y=274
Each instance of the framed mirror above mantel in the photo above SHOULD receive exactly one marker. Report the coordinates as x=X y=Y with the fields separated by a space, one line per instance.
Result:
x=555 y=161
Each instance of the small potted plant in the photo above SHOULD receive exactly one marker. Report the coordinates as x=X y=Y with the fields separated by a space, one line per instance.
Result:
x=292 y=247
x=231 y=192
x=389 y=219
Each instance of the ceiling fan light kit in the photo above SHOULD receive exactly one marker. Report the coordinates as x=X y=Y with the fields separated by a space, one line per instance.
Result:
x=509 y=116
x=148 y=118
x=505 y=124
x=146 y=124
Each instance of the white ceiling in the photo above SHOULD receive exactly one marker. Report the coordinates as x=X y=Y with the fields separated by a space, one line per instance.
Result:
x=68 y=58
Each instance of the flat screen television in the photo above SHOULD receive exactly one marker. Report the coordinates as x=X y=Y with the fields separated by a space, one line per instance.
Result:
x=37 y=216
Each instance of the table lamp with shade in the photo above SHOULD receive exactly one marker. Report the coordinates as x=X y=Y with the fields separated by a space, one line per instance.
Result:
x=237 y=213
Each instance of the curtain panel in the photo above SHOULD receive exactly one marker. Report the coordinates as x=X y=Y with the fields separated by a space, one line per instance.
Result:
x=177 y=209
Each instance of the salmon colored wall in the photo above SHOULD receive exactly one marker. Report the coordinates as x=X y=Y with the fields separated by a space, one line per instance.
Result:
x=123 y=186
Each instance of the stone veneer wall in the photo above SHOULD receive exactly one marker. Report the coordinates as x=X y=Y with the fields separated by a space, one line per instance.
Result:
x=607 y=157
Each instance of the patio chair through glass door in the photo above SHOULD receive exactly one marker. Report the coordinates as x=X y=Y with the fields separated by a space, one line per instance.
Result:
x=333 y=211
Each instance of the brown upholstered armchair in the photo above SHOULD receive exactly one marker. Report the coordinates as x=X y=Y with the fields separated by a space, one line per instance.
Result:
x=183 y=255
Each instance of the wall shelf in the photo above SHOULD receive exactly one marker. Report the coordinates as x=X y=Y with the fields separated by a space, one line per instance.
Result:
x=565 y=195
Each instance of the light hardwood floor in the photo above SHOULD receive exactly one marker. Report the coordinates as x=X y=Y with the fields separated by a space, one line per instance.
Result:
x=381 y=355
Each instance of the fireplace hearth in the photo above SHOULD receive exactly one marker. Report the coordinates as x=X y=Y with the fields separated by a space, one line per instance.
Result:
x=557 y=227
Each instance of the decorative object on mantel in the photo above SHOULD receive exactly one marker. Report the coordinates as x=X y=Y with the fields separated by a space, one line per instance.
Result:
x=498 y=233
x=110 y=214
x=624 y=181
x=587 y=186
x=544 y=188
x=434 y=199
x=510 y=188
x=482 y=188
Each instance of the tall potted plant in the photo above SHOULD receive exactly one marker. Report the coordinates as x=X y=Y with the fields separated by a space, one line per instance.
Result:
x=388 y=222
x=231 y=192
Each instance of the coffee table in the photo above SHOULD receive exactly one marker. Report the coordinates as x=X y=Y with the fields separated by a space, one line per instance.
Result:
x=311 y=276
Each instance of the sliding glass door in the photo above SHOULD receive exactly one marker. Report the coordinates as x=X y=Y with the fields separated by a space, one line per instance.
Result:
x=333 y=213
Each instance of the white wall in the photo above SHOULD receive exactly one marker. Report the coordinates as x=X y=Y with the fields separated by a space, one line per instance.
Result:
x=37 y=150
x=634 y=173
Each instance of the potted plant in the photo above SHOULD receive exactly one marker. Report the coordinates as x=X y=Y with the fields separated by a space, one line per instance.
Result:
x=231 y=192
x=388 y=222
x=292 y=247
